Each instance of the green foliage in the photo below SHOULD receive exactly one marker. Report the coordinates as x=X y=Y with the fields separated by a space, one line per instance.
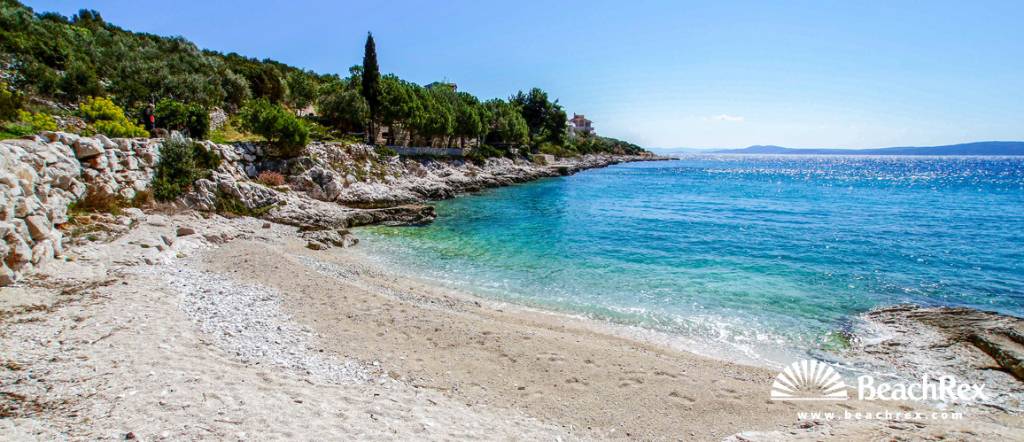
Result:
x=231 y=132
x=505 y=125
x=10 y=103
x=28 y=123
x=342 y=107
x=399 y=101
x=301 y=89
x=181 y=163
x=79 y=81
x=598 y=144
x=236 y=90
x=434 y=115
x=189 y=118
x=108 y=118
x=70 y=59
x=544 y=118
x=385 y=151
x=285 y=132
x=371 y=79
x=205 y=159
x=556 y=150
x=229 y=204
x=96 y=202
x=468 y=118
x=480 y=154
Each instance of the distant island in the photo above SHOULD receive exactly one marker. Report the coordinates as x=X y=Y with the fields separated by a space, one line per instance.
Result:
x=977 y=148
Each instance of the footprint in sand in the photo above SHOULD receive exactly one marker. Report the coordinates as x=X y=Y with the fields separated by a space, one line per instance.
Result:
x=630 y=382
x=681 y=399
x=666 y=374
x=551 y=357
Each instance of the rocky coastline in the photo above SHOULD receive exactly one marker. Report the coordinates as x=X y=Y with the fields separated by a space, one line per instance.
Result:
x=185 y=322
x=332 y=186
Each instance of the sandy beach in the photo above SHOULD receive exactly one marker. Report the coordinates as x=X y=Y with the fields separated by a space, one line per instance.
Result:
x=239 y=331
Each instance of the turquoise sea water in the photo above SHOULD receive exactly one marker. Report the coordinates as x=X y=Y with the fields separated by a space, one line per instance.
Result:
x=758 y=257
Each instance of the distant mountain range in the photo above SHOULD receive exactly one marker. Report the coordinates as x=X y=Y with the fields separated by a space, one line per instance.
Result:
x=978 y=148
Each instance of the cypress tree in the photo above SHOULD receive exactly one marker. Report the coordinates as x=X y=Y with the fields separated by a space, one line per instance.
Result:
x=371 y=83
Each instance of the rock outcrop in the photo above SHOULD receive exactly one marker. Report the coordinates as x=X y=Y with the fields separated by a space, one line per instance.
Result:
x=975 y=346
x=334 y=186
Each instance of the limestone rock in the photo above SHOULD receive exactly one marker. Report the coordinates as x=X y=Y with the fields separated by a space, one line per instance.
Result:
x=185 y=231
x=336 y=238
x=7 y=276
x=39 y=227
x=86 y=148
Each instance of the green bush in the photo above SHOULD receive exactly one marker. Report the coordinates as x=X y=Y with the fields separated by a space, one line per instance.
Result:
x=107 y=118
x=28 y=123
x=182 y=162
x=385 y=152
x=205 y=159
x=191 y=119
x=10 y=102
x=319 y=132
x=343 y=109
x=286 y=133
x=480 y=154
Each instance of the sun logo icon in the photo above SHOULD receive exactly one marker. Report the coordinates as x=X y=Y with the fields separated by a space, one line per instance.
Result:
x=809 y=380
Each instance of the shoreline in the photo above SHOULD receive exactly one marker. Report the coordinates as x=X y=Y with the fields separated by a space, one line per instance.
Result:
x=234 y=331
x=636 y=332
x=185 y=324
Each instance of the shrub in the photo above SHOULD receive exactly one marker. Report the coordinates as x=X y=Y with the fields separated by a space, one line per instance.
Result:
x=29 y=123
x=230 y=205
x=270 y=178
x=181 y=163
x=108 y=118
x=286 y=133
x=205 y=159
x=142 y=198
x=189 y=118
x=480 y=154
x=96 y=202
x=343 y=109
x=386 y=152
x=10 y=102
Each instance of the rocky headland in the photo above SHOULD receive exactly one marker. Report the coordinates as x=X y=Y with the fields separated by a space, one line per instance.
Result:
x=333 y=186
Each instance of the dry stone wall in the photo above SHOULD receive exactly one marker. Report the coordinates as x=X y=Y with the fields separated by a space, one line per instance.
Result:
x=42 y=175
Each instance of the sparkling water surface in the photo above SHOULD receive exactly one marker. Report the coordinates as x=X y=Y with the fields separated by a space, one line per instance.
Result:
x=759 y=258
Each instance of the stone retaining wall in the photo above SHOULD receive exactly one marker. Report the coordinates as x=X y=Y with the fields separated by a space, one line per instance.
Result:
x=40 y=176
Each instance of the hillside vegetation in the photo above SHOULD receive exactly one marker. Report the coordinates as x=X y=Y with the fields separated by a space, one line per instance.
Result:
x=51 y=66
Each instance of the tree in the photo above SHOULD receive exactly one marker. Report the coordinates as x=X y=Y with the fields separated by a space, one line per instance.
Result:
x=371 y=83
x=545 y=119
x=341 y=106
x=236 y=90
x=285 y=132
x=468 y=122
x=434 y=116
x=301 y=89
x=505 y=125
x=189 y=118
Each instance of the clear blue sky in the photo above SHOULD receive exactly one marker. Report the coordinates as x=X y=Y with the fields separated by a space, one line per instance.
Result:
x=662 y=74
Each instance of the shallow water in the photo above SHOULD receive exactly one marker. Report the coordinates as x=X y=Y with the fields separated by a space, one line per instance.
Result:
x=759 y=258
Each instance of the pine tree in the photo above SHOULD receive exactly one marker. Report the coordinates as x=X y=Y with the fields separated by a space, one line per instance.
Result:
x=371 y=83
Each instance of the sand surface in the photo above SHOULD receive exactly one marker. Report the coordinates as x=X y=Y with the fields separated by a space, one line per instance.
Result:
x=239 y=332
